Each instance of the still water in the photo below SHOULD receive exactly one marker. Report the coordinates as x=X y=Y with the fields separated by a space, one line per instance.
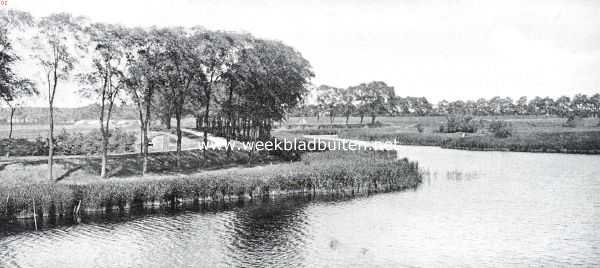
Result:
x=480 y=209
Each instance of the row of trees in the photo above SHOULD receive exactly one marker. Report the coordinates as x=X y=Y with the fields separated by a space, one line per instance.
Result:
x=366 y=99
x=232 y=83
x=376 y=98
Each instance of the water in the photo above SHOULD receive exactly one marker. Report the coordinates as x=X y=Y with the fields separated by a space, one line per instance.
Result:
x=481 y=209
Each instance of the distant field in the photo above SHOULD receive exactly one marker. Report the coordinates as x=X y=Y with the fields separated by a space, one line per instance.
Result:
x=32 y=131
x=431 y=123
x=529 y=133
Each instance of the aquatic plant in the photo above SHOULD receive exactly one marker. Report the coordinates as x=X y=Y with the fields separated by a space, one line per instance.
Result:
x=327 y=173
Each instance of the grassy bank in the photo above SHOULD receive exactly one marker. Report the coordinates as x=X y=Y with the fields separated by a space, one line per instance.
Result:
x=579 y=142
x=529 y=134
x=400 y=137
x=79 y=169
x=328 y=173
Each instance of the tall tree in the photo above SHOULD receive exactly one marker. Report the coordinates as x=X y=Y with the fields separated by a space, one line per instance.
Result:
x=375 y=96
x=105 y=80
x=143 y=76
x=217 y=53
x=182 y=70
x=12 y=87
x=58 y=40
x=330 y=98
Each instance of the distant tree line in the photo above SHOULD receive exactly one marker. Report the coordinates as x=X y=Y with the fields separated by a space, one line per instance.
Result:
x=39 y=115
x=234 y=84
x=377 y=99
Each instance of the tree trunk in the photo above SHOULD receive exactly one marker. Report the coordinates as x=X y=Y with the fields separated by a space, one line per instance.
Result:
x=206 y=123
x=167 y=120
x=373 y=119
x=178 y=130
x=50 y=140
x=146 y=123
x=362 y=116
x=104 y=153
x=10 y=131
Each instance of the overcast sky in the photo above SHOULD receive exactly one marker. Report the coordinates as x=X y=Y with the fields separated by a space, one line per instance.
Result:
x=437 y=49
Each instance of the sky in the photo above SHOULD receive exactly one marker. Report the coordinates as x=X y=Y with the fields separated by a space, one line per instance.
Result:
x=438 y=49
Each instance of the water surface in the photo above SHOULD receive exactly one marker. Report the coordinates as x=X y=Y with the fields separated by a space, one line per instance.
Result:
x=481 y=209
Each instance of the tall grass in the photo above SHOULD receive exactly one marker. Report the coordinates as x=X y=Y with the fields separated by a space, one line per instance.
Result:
x=327 y=173
x=583 y=142
x=400 y=137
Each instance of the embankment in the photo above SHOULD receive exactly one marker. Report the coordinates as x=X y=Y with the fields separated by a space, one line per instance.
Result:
x=327 y=173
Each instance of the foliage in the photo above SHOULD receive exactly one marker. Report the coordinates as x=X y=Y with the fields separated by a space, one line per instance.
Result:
x=420 y=128
x=583 y=142
x=500 y=129
x=91 y=143
x=76 y=143
x=455 y=123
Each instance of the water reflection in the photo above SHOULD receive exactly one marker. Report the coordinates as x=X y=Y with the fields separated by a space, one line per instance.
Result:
x=271 y=235
x=473 y=209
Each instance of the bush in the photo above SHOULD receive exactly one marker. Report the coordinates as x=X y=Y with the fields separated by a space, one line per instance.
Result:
x=455 y=123
x=500 y=129
x=420 y=128
x=91 y=142
x=573 y=121
x=69 y=143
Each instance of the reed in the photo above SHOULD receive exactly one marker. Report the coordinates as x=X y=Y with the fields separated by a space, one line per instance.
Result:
x=399 y=137
x=327 y=173
x=581 y=142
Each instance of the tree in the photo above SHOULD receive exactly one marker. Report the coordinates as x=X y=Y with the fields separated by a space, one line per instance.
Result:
x=12 y=87
x=105 y=80
x=595 y=100
x=57 y=41
x=521 y=106
x=563 y=106
x=330 y=98
x=143 y=76
x=373 y=98
x=376 y=98
x=181 y=68
x=347 y=101
x=216 y=51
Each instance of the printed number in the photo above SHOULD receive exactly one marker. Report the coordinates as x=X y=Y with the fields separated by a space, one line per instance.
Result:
x=3 y=3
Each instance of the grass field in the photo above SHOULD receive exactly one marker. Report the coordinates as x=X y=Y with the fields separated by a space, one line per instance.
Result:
x=529 y=133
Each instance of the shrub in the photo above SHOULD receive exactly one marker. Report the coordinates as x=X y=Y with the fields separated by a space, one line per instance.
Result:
x=456 y=123
x=420 y=127
x=573 y=121
x=69 y=143
x=500 y=129
x=91 y=142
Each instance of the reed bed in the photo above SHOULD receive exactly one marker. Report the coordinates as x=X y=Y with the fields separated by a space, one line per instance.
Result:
x=318 y=174
x=580 y=142
x=400 y=137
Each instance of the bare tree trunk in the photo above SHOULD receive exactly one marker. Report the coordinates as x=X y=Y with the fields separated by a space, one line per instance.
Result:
x=146 y=123
x=104 y=154
x=206 y=123
x=178 y=118
x=362 y=116
x=10 y=131
x=373 y=119
x=50 y=140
